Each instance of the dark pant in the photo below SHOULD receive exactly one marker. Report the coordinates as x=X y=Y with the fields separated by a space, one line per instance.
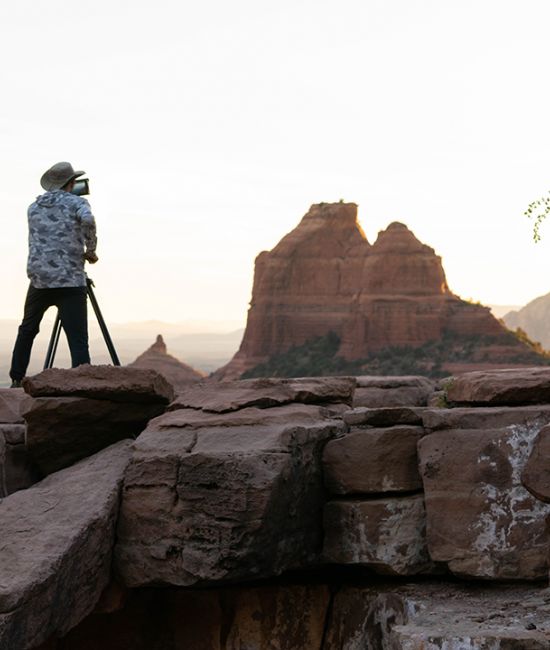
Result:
x=72 y=305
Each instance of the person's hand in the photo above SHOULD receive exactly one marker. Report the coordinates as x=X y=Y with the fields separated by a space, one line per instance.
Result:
x=90 y=257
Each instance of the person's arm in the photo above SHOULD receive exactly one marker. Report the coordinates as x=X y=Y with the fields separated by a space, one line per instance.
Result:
x=87 y=220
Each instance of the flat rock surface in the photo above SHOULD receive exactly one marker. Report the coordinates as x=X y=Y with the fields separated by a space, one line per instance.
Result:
x=117 y=384
x=373 y=461
x=63 y=430
x=11 y=403
x=222 y=397
x=210 y=498
x=501 y=387
x=55 y=548
x=536 y=473
x=386 y=535
x=440 y=617
x=485 y=417
x=481 y=519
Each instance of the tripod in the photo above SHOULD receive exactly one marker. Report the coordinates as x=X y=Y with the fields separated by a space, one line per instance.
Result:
x=56 y=332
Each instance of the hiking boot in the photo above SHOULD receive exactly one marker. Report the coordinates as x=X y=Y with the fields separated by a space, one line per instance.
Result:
x=16 y=383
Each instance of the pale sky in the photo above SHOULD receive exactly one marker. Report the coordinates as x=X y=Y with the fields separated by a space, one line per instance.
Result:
x=208 y=128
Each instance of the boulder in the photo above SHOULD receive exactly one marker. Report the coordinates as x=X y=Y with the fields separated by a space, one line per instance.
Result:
x=63 y=430
x=11 y=404
x=113 y=383
x=380 y=392
x=373 y=461
x=536 y=473
x=385 y=535
x=485 y=417
x=501 y=387
x=383 y=417
x=481 y=520
x=223 y=397
x=212 y=498
x=57 y=539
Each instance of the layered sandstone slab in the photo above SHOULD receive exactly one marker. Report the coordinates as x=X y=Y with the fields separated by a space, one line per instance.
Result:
x=373 y=461
x=64 y=430
x=485 y=417
x=177 y=374
x=481 y=519
x=324 y=276
x=387 y=535
x=218 y=497
x=264 y=393
x=501 y=387
x=384 y=416
x=116 y=384
x=386 y=392
x=57 y=538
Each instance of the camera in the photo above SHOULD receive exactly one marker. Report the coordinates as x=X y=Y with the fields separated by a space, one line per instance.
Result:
x=81 y=187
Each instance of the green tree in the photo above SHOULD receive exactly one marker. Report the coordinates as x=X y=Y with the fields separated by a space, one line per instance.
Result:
x=538 y=210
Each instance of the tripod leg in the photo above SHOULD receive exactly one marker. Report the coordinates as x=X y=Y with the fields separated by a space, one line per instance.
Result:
x=54 y=342
x=102 y=325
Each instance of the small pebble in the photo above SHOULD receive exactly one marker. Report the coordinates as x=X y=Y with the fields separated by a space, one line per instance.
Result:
x=530 y=626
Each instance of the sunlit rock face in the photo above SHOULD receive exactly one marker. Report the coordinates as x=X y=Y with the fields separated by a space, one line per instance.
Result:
x=325 y=276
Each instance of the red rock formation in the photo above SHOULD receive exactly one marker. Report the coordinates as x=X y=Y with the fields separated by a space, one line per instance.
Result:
x=157 y=358
x=325 y=276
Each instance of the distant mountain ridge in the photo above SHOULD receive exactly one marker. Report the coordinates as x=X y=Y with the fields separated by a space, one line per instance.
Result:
x=534 y=319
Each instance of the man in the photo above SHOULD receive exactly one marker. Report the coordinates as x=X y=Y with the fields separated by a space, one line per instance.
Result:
x=62 y=236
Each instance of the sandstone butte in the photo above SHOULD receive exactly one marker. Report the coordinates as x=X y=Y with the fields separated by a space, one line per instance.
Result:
x=156 y=357
x=325 y=276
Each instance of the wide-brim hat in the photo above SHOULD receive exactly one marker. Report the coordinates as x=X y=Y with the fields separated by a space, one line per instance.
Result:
x=59 y=175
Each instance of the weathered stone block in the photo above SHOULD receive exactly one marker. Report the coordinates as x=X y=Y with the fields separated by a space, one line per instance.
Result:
x=384 y=417
x=386 y=535
x=210 y=498
x=501 y=387
x=380 y=392
x=57 y=538
x=113 y=383
x=481 y=520
x=485 y=417
x=226 y=396
x=63 y=430
x=373 y=460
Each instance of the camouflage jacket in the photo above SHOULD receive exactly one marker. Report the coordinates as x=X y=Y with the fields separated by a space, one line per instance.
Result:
x=61 y=228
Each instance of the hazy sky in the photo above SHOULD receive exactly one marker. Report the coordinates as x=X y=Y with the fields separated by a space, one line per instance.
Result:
x=208 y=128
